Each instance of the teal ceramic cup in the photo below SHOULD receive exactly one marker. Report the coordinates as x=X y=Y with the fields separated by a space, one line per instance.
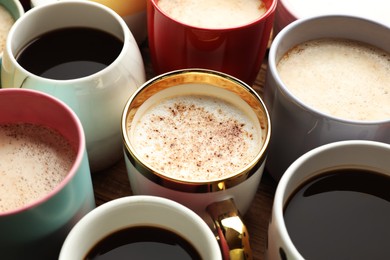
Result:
x=37 y=229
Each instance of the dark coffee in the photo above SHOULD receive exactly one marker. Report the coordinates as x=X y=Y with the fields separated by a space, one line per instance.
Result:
x=341 y=214
x=144 y=242
x=70 y=53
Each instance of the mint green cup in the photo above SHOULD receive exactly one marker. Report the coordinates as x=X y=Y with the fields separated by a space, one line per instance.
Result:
x=37 y=230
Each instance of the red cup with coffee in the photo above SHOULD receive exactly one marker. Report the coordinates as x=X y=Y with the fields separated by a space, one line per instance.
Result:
x=231 y=38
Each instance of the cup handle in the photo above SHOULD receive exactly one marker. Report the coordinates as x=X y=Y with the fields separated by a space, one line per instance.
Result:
x=233 y=234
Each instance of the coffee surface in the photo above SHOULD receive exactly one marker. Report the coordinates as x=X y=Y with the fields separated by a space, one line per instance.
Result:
x=70 y=53
x=196 y=137
x=33 y=161
x=341 y=214
x=213 y=13
x=6 y=22
x=341 y=78
x=143 y=242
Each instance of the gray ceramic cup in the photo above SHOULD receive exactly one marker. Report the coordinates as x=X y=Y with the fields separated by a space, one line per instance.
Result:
x=297 y=127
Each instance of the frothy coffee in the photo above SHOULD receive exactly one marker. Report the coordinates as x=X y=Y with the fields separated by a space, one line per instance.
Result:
x=6 y=22
x=215 y=13
x=343 y=78
x=34 y=160
x=196 y=137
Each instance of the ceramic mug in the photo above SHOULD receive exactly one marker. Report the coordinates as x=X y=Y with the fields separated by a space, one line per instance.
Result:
x=132 y=11
x=38 y=229
x=358 y=154
x=215 y=199
x=288 y=11
x=97 y=99
x=297 y=126
x=238 y=51
x=139 y=211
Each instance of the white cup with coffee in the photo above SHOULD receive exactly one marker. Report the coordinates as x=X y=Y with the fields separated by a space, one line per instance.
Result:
x=199 y=137
x=328 y=80
x=83 y=53
x=333 y=203
x=141 y=227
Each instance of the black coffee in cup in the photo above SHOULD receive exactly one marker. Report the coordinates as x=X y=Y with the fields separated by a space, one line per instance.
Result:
x=69 y=53
x=341 y=214
x=143 y=242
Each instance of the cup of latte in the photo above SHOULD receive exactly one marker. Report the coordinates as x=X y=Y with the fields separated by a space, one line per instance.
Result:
x=199 y=137
x=328 y=80
x=45 y=180
x=83 y=53
x=141 y=227
x=230 y=36
x=333 y=202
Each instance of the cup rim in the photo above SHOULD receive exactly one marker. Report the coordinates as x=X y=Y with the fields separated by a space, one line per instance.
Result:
x=278 y=41
x=100 y=212
x=270 y=10
x=127 y=36
x=80 y=150
x=280 y=193
x=195 y=185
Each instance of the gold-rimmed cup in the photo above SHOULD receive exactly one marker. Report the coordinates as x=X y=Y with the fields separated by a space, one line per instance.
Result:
x=218 y=200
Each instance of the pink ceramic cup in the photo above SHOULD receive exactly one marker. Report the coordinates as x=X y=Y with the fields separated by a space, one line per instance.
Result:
x=238 y=51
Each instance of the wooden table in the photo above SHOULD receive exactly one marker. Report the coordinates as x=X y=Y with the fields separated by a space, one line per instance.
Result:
x=113 y=183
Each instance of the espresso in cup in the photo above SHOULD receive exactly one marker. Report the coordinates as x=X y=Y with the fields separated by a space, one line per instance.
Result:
x=61 y=57
x=150 y=242
x=34 y=161
x=141 y=227
x=333 y=203
x=341 y=213
x=339 y=77
x=214 y=14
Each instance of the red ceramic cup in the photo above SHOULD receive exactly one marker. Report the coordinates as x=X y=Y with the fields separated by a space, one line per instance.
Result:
x=238 y=51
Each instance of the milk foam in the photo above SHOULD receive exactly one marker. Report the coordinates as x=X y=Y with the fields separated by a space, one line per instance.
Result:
x=196 y=137
x=6 y=22
x=346 y=79
x=33 y=161
x=213 y=13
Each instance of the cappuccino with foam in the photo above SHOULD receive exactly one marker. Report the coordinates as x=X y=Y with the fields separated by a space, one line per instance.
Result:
x=214 y=13
x=342 y=78
x=33 y=161
x=196 y=137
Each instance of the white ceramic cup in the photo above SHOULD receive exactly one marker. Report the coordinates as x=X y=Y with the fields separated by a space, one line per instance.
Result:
x=133 y=13
x=288 y=11
x=297 y=127
x=97 y=99
x=219 y=201
x=361 y=154
x=139 y=211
